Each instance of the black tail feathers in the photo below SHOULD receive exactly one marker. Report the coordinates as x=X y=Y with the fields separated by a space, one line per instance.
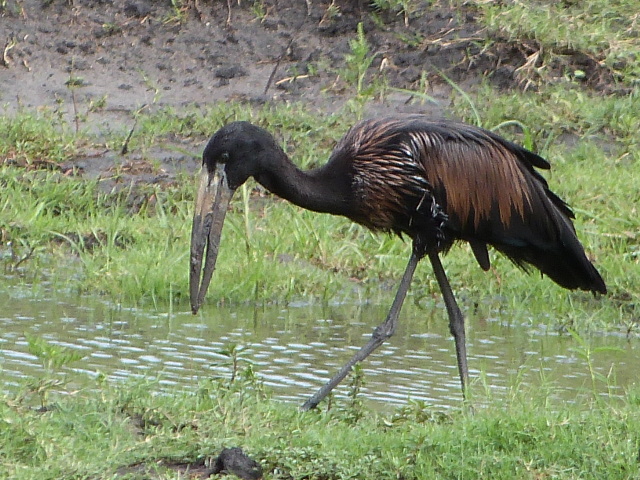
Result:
x=572 y=270
x=564 y=260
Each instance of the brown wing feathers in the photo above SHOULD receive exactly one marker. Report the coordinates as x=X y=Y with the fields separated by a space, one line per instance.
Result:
x=486 y=185
x=475 y=181
x=490 y=187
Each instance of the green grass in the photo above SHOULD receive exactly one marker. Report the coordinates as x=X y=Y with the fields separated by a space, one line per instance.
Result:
x=128 y=432
x=605 y=31
x=31 y=136
x=136 y=254
x=130 y=245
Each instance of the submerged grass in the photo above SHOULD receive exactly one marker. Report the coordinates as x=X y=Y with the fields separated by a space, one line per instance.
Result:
x=128 y=432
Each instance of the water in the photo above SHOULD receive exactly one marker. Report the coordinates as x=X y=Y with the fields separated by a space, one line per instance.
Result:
x=295 y=349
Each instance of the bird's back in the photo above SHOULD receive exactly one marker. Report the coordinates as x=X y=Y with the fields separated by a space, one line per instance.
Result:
x=444 y=181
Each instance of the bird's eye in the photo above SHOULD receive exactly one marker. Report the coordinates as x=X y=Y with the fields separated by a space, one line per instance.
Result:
x=224 y=157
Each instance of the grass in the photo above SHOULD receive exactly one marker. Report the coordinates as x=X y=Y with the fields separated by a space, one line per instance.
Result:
x=129 y=432
x=606 y=31
x=125 y=239
x=129 y=243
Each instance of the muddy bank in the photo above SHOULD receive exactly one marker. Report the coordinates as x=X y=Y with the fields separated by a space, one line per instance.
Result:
x=106 y=59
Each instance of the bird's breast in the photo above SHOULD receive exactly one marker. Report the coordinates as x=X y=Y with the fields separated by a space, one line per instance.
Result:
x=394 y=196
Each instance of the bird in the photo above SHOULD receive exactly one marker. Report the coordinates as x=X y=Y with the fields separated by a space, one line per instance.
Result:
x=435 y=181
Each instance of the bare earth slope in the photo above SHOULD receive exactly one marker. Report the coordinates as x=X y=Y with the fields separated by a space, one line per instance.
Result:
x=130 y=53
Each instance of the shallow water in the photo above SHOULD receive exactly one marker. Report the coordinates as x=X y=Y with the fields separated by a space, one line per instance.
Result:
x=295 y=349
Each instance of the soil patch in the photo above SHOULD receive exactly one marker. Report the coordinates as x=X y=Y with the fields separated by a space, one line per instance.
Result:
x=129 y=53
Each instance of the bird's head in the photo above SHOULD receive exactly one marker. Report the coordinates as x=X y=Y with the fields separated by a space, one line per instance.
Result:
x=232 y=155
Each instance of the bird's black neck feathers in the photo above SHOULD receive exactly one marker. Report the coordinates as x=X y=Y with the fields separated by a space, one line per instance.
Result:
x=324 y=189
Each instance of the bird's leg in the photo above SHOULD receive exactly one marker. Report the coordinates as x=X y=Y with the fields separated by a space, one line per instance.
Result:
x=456 y=320
x=381 y=333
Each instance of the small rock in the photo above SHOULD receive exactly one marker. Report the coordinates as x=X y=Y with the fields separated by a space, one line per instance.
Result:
x=230 y=71
x=235 y=461
x=270 y=24
x=87 y=47
x=137 y=9
x=79 y=65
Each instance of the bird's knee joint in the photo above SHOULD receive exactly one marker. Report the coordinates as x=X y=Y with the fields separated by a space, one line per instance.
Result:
x=457 y=330
x=383 y=332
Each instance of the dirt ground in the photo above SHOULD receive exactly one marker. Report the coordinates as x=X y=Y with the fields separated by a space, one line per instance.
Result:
x=130 y=53
x=137 y=51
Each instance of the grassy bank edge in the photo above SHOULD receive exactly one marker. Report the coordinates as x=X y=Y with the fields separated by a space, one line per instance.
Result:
x=127 y=431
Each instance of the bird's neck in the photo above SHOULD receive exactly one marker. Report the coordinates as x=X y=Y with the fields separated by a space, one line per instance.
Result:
x=324 y=189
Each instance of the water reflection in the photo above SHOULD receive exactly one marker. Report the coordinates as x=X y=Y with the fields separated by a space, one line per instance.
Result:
x=295 y=349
